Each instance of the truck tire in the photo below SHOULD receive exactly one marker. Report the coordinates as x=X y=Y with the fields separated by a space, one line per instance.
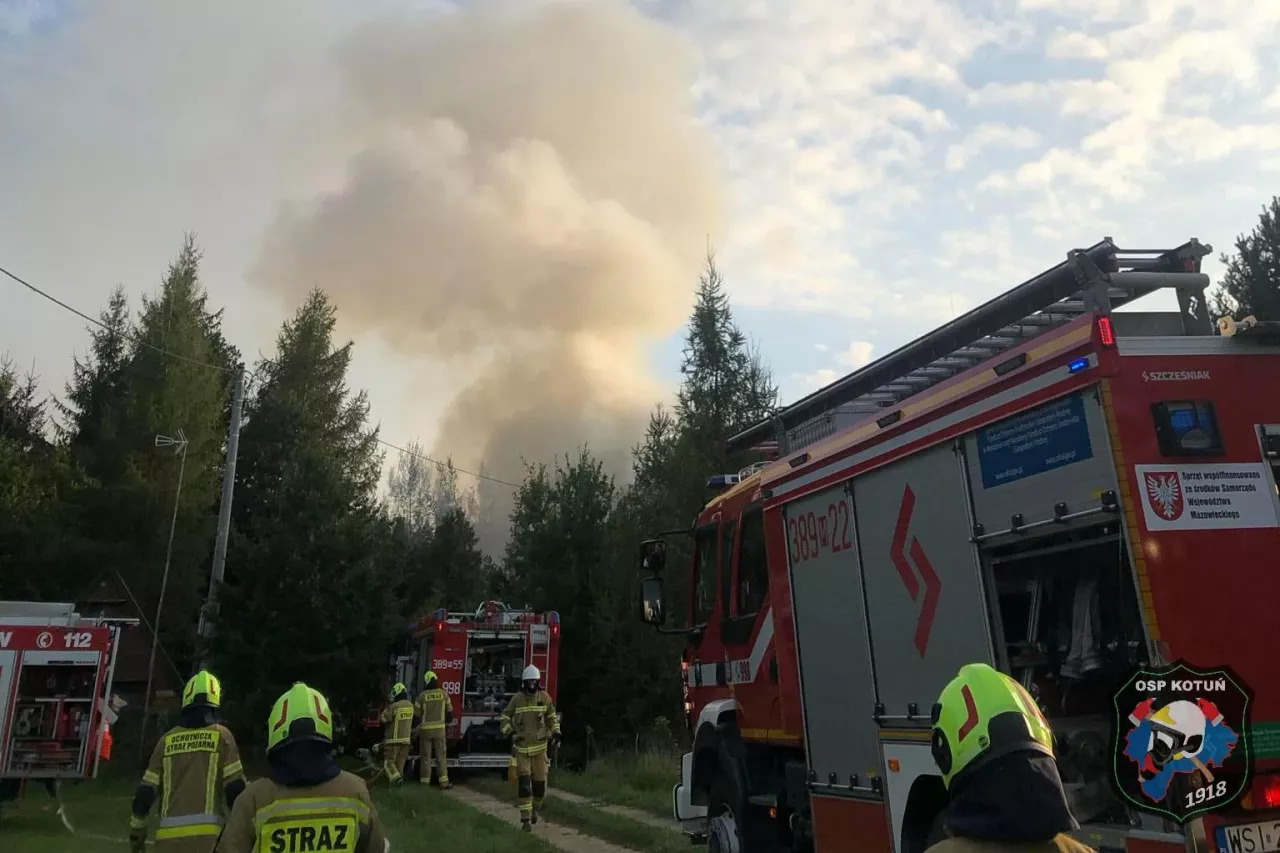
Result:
x=726 y=816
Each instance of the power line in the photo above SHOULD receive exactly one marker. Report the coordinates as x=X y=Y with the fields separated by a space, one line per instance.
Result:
x=169 y=354
x=424 y=457
x=56 y=301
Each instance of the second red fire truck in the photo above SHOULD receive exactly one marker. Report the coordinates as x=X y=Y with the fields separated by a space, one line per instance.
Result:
x=479 y=658
x=1017 y=487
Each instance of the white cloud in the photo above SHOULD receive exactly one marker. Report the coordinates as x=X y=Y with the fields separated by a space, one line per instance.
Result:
x=1144 y=116
x=826 y=148
x=859 y=140
x=1072 y=44
x=986 y=136
x=857 y=354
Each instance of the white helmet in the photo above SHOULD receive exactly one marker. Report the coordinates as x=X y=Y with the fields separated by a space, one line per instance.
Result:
x=531 y=674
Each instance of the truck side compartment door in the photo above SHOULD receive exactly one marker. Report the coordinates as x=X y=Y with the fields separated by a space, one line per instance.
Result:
x=924 y=590
x=8 y=666
x=831 y=634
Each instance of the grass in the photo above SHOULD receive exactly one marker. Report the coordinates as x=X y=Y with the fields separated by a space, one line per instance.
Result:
x=591 y=821
x=99 y=810
x=641 y=781
x=431 y=820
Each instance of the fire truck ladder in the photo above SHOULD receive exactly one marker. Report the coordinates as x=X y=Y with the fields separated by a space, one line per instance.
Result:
x=540 y=649
x=1098 y=280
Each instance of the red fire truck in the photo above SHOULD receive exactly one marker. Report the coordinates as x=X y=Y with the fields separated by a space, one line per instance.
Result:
x=479 y=658
x=1008 y=489
x=55 y=684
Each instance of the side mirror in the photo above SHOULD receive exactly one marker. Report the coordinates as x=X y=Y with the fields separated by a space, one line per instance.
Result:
x=651 y=608
x=653 y=556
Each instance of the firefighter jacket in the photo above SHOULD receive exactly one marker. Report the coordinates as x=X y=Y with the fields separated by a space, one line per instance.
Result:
x=1061 y=843
x=434 y=710
x=336 y=814
x=191 y=769
x=530 y=719
x=1013 y=804
x=397 y=722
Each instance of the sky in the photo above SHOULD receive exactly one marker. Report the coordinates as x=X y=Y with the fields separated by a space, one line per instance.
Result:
x=510 y=201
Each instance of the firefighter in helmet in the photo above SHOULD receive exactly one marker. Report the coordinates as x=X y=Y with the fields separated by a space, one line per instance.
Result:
x=305 y=802
x=435 y=713
x=995 y=751
x=397 y=733
x=193 y=766
x=530 y=718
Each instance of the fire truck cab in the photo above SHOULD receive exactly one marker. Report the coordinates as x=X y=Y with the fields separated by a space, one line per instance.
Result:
x=56 y=669
x=479 y=657
x=1018 y=487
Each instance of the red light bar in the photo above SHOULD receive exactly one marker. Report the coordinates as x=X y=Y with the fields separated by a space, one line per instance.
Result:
x=1264 y=793
x=1106 y=334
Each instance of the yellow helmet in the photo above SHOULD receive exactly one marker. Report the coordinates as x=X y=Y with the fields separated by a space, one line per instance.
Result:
x=300 y=714
x=430 y=677
x=398 y=689
x=982 y=715
x=202 y=689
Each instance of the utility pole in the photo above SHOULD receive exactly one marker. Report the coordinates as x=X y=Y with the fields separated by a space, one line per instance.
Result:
x=209 y=613
x=180 y=442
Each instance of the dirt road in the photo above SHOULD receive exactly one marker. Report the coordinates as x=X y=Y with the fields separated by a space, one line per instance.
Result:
x=562 y=837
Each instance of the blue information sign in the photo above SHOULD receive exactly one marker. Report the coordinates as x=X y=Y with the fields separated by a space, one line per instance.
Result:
x=1047 y=437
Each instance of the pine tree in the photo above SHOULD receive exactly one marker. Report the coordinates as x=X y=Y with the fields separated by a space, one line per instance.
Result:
x=452 y=559
x=168 y=372
x=24 y=417
x=35 y=476
x=726 y=386
x=309 y=577
x=97 y=382
x=1251 y=283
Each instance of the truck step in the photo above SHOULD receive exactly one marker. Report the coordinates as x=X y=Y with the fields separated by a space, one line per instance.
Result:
x=767 y=801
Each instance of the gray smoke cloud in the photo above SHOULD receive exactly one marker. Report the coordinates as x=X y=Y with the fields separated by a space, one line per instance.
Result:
x=528 y=201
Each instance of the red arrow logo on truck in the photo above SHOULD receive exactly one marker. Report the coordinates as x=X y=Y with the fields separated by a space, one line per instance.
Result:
x=932 y=584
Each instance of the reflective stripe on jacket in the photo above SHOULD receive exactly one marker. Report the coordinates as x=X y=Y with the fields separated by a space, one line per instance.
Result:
x=530 y=719
x=434 y=710
x=398 y=720
x=191 y=768
x=334 y=815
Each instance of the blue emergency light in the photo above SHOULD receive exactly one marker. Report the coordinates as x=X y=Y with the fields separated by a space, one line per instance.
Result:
x=720 y=481
x=1078 y=365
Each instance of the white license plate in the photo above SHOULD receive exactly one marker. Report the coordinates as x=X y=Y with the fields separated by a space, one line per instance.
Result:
x=1250 y=838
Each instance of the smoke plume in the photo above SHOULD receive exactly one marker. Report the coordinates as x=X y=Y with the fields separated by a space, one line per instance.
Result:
x=528 y=199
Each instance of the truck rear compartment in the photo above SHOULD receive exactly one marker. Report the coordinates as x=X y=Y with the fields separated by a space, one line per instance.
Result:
x=490 y=677
x=492 y=674
x=1069 y=628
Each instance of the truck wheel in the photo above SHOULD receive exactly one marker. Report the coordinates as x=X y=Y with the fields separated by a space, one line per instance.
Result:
x=725 y=816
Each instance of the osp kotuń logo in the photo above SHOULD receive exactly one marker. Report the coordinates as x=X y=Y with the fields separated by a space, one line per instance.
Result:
x=1180 y=742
